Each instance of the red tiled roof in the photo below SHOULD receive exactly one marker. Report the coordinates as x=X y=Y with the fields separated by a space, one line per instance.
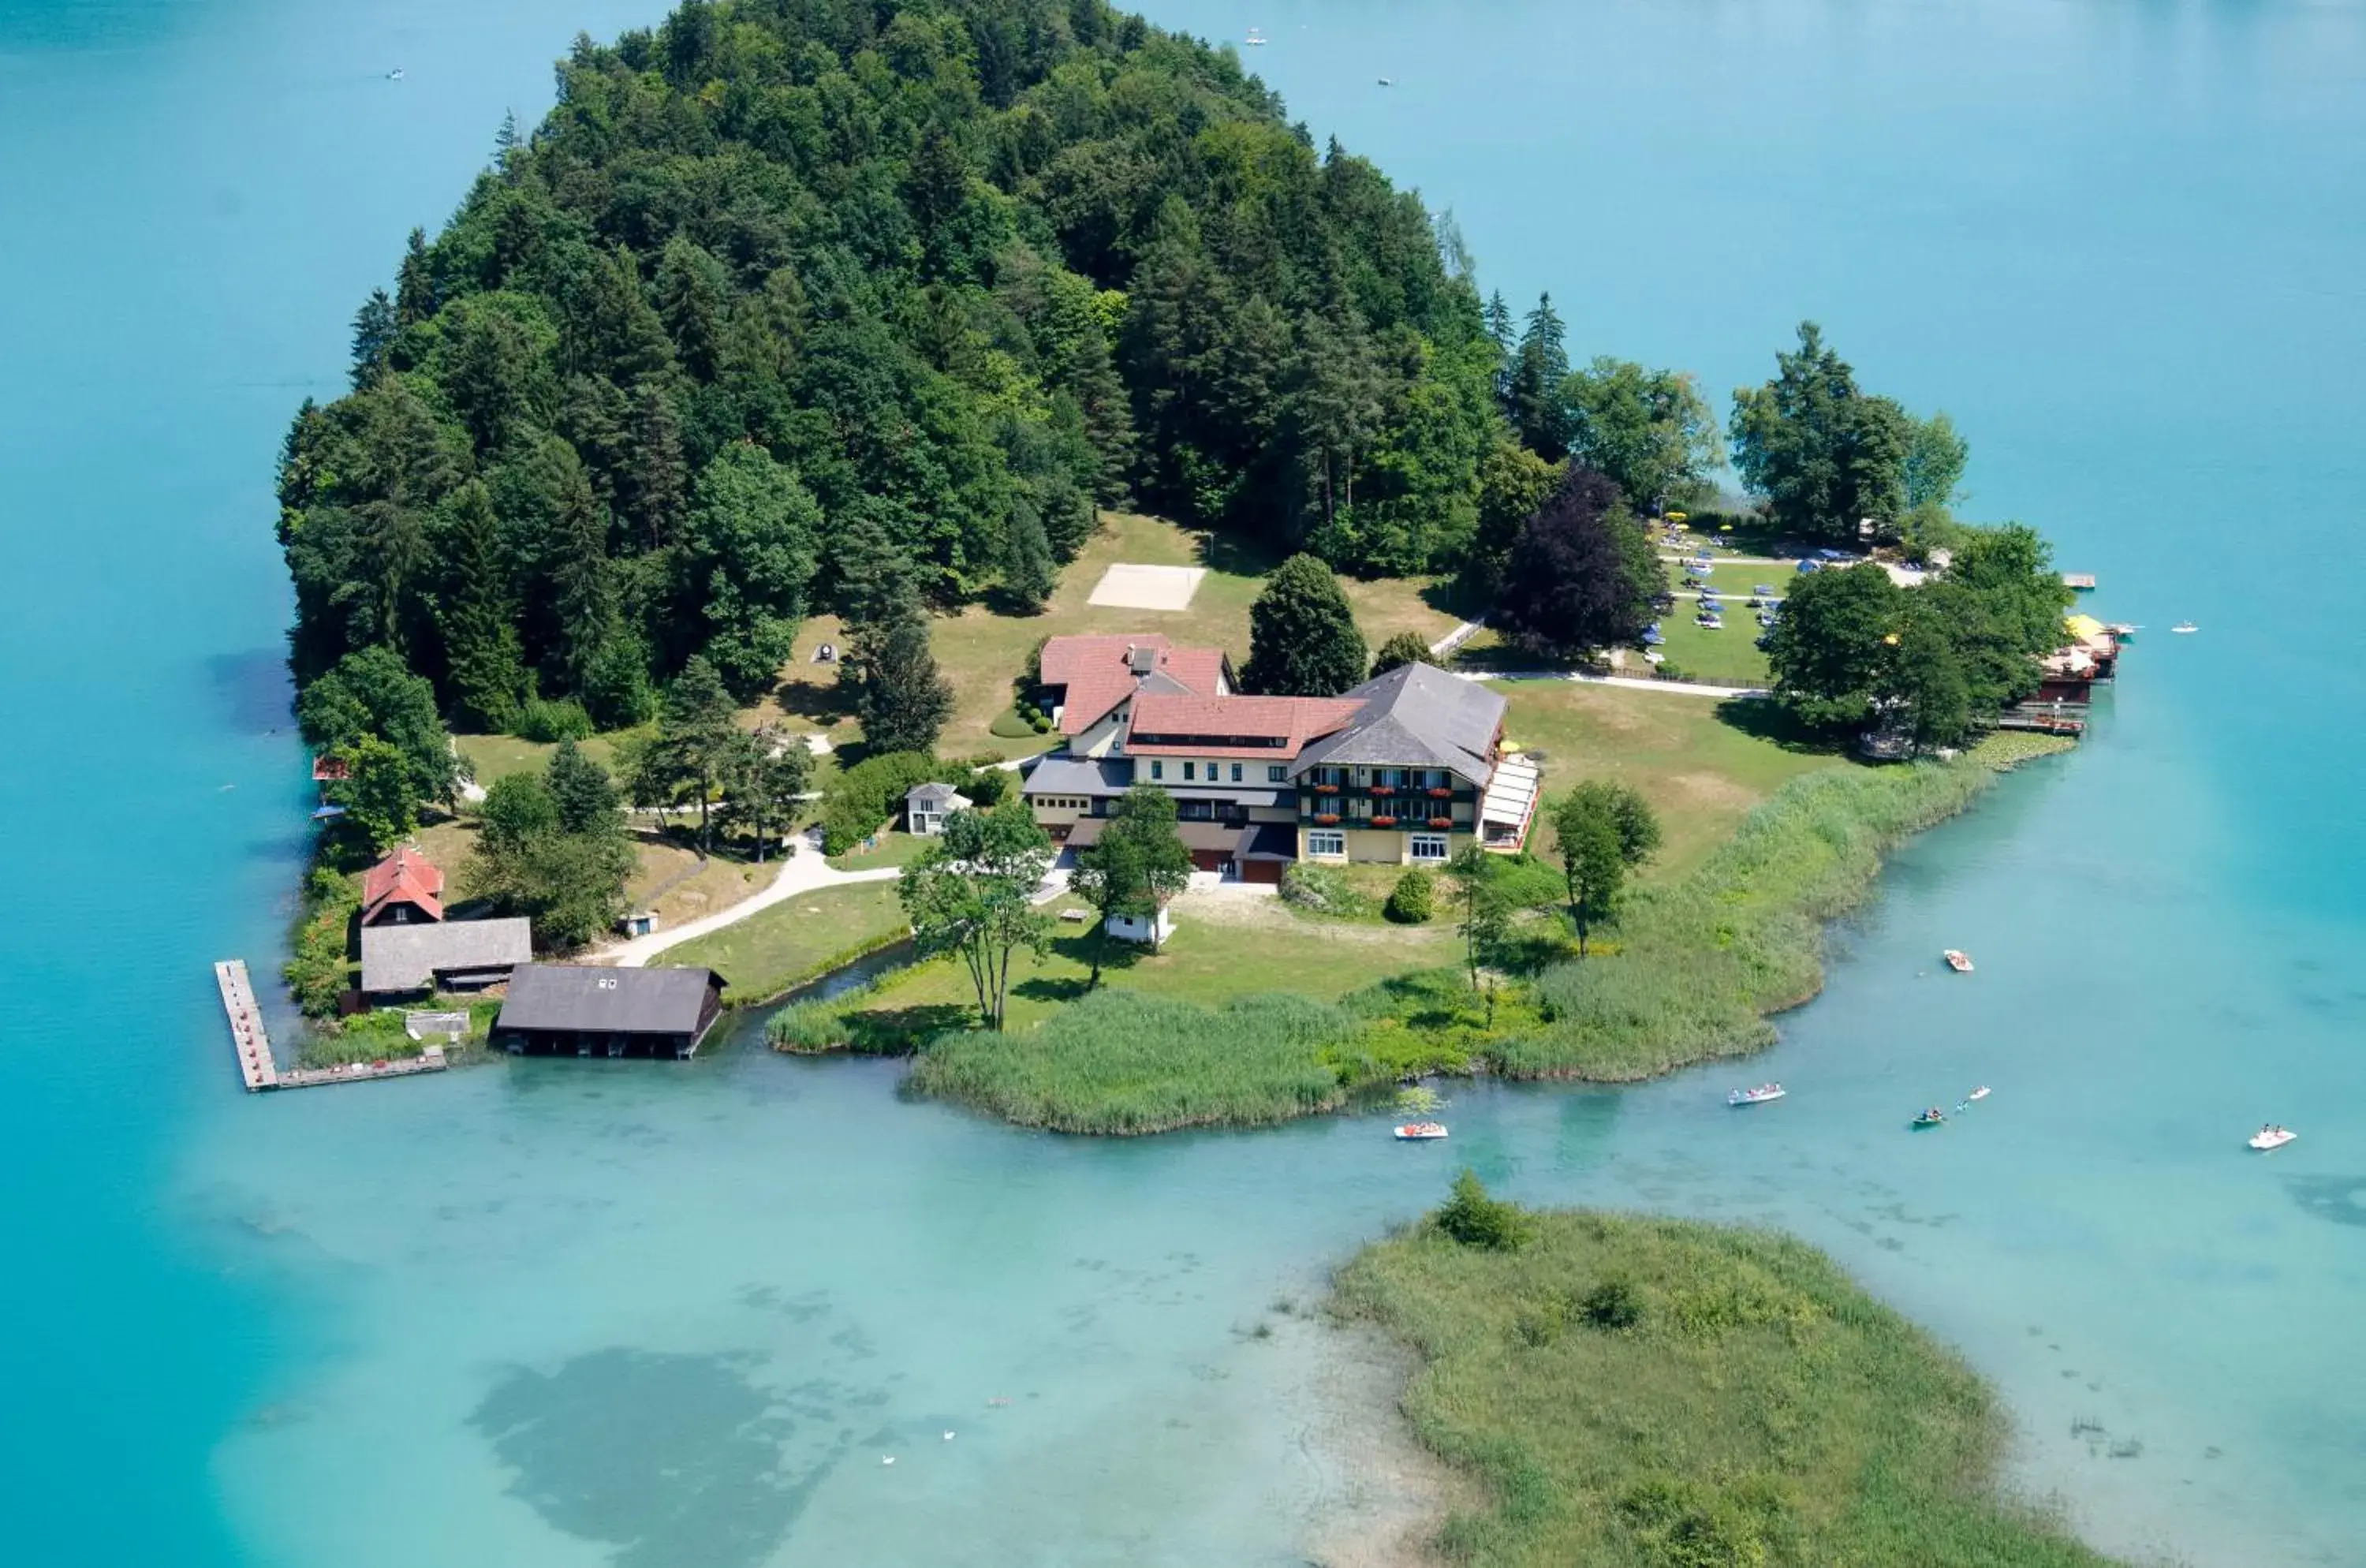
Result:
x=1293 y=721
x=1064 y=658
x=405 y=877
x=1098 y=673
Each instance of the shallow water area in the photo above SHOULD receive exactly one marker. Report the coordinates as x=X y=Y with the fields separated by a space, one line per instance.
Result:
x=589 y=1313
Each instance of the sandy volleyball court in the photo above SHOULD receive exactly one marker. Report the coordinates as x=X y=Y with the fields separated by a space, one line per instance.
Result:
x=1128 y=587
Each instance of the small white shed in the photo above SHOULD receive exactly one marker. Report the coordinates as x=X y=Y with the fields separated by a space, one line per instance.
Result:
x=1134 y=927
x=927 y=805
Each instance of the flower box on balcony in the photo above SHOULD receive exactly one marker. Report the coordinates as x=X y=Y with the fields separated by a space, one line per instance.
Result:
x=1441 y=794
x=1384 y=789
x=1441 y=821
x=1384 y=821
x=1326 y=819
x=1326 y=789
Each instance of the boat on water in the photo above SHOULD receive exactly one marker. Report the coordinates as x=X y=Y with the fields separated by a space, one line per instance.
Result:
x=1930 y=1118
x=395 y=75
x=1256 y=38
x=2273 y=1137
x=1979 y=1093
x=2184 y=627
x=1421 y=1131
x=1758 y=1095
x=1387 y=83
x=1957 y=960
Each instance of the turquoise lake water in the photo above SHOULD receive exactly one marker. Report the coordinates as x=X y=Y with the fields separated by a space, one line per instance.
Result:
x=552 y=1314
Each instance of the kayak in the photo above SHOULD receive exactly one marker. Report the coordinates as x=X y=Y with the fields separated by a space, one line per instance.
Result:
x=2273 y=1137
x=1413 y=1132
x=1758 y=1095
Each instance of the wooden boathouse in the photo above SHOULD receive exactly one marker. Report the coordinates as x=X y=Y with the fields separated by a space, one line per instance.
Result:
x=582 y=1009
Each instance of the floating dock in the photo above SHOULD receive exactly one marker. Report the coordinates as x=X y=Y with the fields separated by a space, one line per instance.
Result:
x=247 y=1034
x=252 y=1043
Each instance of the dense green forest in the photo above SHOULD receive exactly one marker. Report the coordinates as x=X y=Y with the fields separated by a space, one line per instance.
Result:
x=867 y=305
x=785 y=284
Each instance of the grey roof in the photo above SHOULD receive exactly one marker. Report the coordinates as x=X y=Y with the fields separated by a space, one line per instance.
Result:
x=935 y=798
x=408 y=957
x=590 y=998
x=1414 y=717
x=1080 y=775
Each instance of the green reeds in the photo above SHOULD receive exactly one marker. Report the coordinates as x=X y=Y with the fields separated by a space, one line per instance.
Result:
x=1662 y=1392
x=1122 y=1062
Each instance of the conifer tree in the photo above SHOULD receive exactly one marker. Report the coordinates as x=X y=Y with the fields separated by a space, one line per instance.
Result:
x=899 y=695
x=1303 y=636
x=1534 y=394
x=580 y=790
x=415 y=290
x=1027 y=572
x=374 y=328
x=485 y=667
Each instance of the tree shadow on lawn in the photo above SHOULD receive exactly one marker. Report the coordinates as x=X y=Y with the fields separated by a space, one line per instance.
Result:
x=1764 y=719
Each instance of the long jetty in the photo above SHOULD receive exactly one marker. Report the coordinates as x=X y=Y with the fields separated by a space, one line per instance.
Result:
x=252 y=1043
x=246 y=1032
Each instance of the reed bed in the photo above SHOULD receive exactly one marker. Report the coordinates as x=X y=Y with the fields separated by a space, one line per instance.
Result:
x=1121 y=1062
x=1702 y=961
x=1661 y=1393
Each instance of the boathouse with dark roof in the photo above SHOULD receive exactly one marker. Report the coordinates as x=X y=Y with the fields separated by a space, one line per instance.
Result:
x=582 y=1009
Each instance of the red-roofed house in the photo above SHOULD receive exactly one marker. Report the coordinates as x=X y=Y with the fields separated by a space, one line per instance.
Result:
x=402 y=889
x=1091 y=683
x=1407 y=768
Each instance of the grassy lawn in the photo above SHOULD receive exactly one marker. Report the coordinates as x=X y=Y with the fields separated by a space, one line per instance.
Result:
x=1700 y=771
x=1662 y=1392
x=673 y=881
x=1726 y=658
x=1225 y=945
x=895 y=849
x=498 y=756
x=775 y=949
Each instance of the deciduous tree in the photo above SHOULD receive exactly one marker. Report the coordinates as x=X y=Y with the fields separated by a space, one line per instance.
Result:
x=1404 y=648
x=1581 y=575
x=971 y=893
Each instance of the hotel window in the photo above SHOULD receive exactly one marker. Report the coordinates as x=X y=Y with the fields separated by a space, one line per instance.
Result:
x=1322 y=844
x=1276 y=772
x=1429 y=846
x=1187 y=772
x=1236 y=772
x=1157 y=769
x=1215 y=771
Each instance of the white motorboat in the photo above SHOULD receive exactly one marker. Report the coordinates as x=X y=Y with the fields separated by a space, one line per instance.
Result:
x=1256 y=38
x=1421 y=1131
x=1957 y=960
x=2273 y=1137
x=2184 y=627
x=1758 y=1095
x=1979 y=1093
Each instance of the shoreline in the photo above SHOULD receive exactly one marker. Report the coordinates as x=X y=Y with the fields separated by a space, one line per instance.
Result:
x=1648 y=1323
x=1719 y=953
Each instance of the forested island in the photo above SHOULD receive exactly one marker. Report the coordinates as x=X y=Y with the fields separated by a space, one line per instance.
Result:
x=905 y=318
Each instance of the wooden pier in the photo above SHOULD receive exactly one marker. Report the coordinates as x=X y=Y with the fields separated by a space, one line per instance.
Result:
x=246 y=1032
x=252 y=1043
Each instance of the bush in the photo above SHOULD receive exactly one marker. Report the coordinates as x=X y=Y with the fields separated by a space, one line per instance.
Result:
x=1474 y=1219
x=1612 y=1304
x=1672 y=671
x=1322 y=888
x=1413 y=900
x=868 y=795
x=1040 y=725
x=550 y=722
